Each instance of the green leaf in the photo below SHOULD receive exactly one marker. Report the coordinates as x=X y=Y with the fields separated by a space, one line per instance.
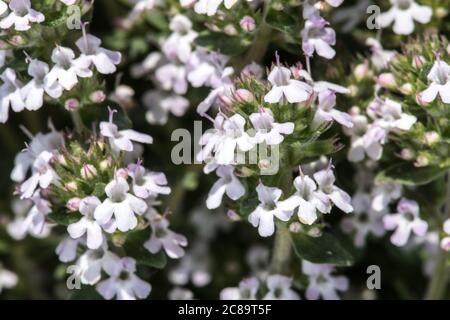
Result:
x=134 y=247
x=99 y=189
x=282 y=21
x=323 y=249
x=64 y=217
x=409 y=175
x=157 y=19
x=221 y=42
x=301 y=151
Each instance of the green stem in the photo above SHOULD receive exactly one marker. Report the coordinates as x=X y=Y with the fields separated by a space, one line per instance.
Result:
x=282 y=248
x=77 y=122
x=260 y=44
x=439 y=280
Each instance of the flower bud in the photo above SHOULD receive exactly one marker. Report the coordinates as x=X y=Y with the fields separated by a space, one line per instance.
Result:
x=386 y=80
x=105 y=164
x=73 y=204
x=295 y=227
x=88 y=171
x=71 y=104
x=17 y=40
x=233 y=216
x=243 y=95
x=61 y=160
x=406 y=154
x=247 y=24
x=122 y=172
x=420 y=102
x=445 y=244
x=354 y=111
x=361 y=71
x=230 y=30
x=441 y=12
x=406 y=88
x=71 y=186
x=97 y=96
x=418 y=61
x=422 y=161
x=431 y=137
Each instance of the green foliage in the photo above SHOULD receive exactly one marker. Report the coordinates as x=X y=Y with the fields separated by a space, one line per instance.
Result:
x=323 y=249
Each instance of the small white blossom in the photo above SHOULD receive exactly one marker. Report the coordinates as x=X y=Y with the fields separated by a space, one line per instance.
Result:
x=283 y=87
x=67 y=69
x=268 y=130
x=439 y=76
x=8 y=279
x=123 y=282
x=164 y=238
x=322 y=283
x=210 y=7
x=10 y=94
x=247 y=290
x=21 y=15
x=123 y=205
x=406 y=219
x=121 y=140
x=147 y=184
x=227 y=184
x=270 y=207
x=87 y=224
x=403 y=13
x=104 y=60
x=43 y=175
x=280 y=288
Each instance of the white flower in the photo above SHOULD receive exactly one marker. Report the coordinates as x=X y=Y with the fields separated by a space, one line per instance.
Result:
x=10 y=94
x=380 y=58
x=364 y=220
x=283 y=87
x=121 y=139
x=21 y=15
x=123 y=283
x=247 y=290
x=122 y=204
x=226 y=140
x=41 y=142
x=322 y=283
x=406 y=219
x=280 y=288
x=33 y=91
x=159 y=104
x=269 y=208
x=172 y=76
x=163 y=237
x=326 y=112
x=307 y=199
x=439 y=76
x=3 y=7
x=8 y=279
x=104 y=60
x=268 y=130
x=92 y=262
x=403 y=13
x=317 y=37
x=210 y=7
x=180 y=294
x=30 y=218
x=147 y=184
x=228 y=183
x=392 y=117
x=67 y=249
x=67 y=69
x=87 y=224
x=328 y=192
x=179 y=44
x=43 y=175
